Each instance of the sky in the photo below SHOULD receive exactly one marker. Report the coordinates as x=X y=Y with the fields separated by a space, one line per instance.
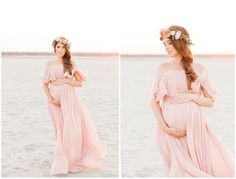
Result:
x=125 y=26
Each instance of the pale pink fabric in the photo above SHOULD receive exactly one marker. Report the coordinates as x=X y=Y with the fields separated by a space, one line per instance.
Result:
x=200 y=153
x=77 y=143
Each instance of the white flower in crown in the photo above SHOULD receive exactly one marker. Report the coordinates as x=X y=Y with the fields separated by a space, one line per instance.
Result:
x=63 y=41
x=175 y=35
x=178 y=35
x=172 y=32
x=66 y=74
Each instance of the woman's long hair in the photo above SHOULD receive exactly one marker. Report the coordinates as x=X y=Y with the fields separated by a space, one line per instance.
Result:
x=182 y=47
x=66 y=59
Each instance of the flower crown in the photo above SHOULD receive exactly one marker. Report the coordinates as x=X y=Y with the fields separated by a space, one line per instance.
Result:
x=175 y=35
x=62 y=40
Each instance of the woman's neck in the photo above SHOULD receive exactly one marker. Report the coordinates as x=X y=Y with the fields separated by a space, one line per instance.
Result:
x=177 y=61
x=59 y=60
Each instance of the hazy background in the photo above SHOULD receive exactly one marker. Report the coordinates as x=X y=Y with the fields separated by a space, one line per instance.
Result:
x=32 y=25
x=128 y=26
x=210 y=24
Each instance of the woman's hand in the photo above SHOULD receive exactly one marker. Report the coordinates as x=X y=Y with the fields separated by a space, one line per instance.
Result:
x=179 y=133
x=69 y=81
x=185 y=97
x=55 y=102
x=59 y=82
x=74 y=83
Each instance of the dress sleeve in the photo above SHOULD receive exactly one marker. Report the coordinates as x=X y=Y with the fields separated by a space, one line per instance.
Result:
x=159 y=86
x=46 y=76
x=82 y=75
x=206 y=83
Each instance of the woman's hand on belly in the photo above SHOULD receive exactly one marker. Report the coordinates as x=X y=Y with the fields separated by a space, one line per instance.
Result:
x=59 y=82
x=62 y=81
x=55 y=102
x=185 y=97
x=175 y=132
x=69 y=81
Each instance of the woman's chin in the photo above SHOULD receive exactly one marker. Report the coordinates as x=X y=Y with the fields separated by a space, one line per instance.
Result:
x=60 y=55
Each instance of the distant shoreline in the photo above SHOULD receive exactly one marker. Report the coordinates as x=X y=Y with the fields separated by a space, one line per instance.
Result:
x=109 y=54
x=82 y=54
x=164 y=55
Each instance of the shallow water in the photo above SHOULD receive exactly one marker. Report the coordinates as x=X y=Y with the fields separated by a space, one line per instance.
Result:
x=27 y=131
x=139 y=153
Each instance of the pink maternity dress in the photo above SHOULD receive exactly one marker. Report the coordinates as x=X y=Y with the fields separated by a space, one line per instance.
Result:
x=77 y=143
x=200 y=153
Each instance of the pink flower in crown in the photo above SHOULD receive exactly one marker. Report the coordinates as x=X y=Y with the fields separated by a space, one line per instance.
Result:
x=165 y=33
x=64 y=41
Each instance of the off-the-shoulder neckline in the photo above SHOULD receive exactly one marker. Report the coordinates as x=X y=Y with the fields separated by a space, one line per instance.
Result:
x=54 y=62
x=172 y=70
x=180 y=71
x=58 y=63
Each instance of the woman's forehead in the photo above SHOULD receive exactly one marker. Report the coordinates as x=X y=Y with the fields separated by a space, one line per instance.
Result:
x=60 y=44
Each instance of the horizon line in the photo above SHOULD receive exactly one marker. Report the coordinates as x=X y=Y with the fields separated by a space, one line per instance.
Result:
x=8 y=53
x=51 y=53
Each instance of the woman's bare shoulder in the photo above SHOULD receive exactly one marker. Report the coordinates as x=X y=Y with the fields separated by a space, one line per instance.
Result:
x=50 y=62
x=164 y=66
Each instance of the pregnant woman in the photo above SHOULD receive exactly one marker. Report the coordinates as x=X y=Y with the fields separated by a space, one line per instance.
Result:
x=77 y=143
x=187 y=143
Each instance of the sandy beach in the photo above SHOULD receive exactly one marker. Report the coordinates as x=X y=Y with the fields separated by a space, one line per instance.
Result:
x=28 y=135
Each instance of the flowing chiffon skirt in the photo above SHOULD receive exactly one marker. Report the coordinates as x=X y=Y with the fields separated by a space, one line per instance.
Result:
x=200 y=153
x=77 y=143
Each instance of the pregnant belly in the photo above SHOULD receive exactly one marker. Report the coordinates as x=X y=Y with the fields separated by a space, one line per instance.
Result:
x=57 y=91
x=177 y=115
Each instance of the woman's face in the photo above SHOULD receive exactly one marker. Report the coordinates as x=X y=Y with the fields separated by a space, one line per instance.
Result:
x=169 y=47
x=60 y=50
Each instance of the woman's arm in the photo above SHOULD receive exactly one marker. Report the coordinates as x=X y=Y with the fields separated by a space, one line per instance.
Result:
x=59 y=82
x=158 y=114
x=50 y=98
x=74 y=83
x=69 y=81
x=77 y=82
x=46 y=90
x=203 y=100
x=200 y=99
